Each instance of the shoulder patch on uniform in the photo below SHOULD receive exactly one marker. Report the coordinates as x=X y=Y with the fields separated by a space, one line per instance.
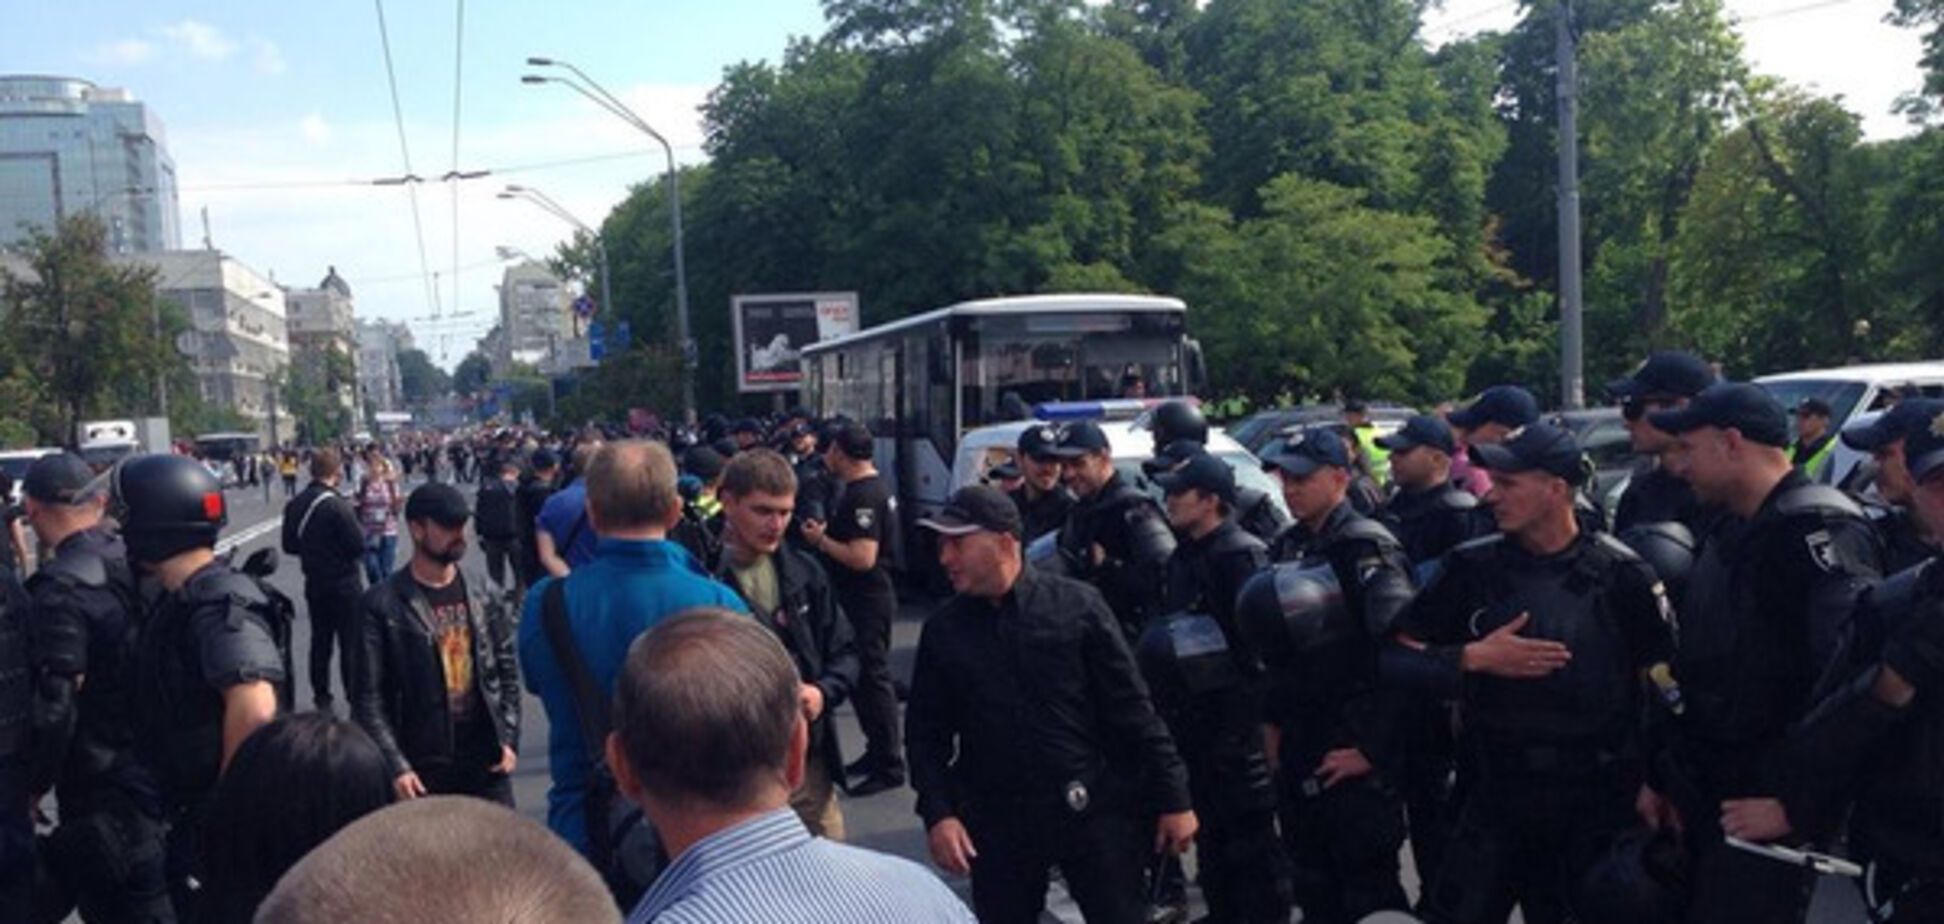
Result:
x=865 y=517
x=1822 y=549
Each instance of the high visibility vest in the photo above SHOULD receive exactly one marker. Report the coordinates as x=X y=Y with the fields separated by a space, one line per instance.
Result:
x=1816 y=467
x=1378 y=456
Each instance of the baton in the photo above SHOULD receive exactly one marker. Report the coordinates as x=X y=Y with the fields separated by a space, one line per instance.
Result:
x=1808 y=859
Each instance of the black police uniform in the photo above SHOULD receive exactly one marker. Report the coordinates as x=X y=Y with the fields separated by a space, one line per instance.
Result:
x=1430 y=521
x=1208 y=688
x=1904 y=544
x=1343 y=841
x=1030 y=723
x=1130 y=529
x=1553 y=763
x=1256 y=512
x=106 y=856
x=1760 y=622
x=864 y=511
x=1041 y=512
x=1655 y=495
x=530 y=498
x=16 y=712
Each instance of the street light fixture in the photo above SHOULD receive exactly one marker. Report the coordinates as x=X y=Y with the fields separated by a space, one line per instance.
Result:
x=586 y=86
x=558 y=211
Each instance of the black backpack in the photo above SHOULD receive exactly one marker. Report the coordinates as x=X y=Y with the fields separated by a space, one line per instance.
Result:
x=621 y=843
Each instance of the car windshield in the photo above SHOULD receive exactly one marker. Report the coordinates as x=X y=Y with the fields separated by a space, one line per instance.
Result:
x=15 y=468
x=1842 y=395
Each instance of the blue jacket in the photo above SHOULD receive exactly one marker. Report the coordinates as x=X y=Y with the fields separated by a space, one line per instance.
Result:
x=629 y=588
x=564 y=516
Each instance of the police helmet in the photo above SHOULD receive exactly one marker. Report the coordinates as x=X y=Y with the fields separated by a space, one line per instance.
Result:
x=1640 y=880
x=1186 y=654
x=1177 y=420
x=1289 y=610
x=1669 y=547
x=167 y=504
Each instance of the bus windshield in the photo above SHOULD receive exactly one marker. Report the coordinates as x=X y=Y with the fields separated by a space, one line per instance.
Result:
x=1067 y=357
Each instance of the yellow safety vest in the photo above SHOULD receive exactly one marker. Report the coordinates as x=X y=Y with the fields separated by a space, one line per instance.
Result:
x=1378 y=456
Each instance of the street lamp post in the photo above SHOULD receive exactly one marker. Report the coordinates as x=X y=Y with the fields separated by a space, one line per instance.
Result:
x=601 y=97
x=554 y=208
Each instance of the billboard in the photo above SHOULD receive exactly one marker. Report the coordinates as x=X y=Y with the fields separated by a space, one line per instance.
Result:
x=772 y=330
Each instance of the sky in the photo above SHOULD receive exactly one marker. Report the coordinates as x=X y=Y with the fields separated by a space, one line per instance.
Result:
x=278 y=116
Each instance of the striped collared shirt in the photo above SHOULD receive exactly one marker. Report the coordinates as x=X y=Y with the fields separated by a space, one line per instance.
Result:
x=769 y=870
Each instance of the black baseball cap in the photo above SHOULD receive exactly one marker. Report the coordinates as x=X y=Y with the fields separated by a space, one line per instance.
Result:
x=704 y=463
x=1305 y=451
x=1534 y=447
x=1203 y=472
x=1815 y=406
x=1173 y=456
x=1730 y=405
x=1040 y=441
x=1080 y=438
x=1421 y=430
x=439 y=502
x=1669 y=373
x=1509 y=405
x=855 y=440
x=58 y=478
x=544 y=459
x=974 y=508
x=1924 y=446
x=1874 y=432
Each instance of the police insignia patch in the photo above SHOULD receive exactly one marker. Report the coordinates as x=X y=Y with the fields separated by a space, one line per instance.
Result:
x=865 y=518
x=1937 y=425
x=1822 y=549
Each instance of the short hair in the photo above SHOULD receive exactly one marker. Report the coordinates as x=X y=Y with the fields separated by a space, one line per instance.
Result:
x=705 y=708
x=442 y=859
x=326 y=464
x=583 y=457
x=758 y=471
x=631 y=484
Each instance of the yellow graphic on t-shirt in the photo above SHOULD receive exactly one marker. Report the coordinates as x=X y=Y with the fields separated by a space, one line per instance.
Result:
x=454 y=633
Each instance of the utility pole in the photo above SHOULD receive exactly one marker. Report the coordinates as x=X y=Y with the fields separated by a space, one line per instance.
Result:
x=1572 y=376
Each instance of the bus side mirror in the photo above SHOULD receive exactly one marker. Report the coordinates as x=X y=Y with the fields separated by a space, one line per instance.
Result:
x=1197 y=370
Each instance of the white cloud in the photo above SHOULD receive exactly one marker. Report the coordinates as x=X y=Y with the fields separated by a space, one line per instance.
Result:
x=124 y=53
x=200 y=39
x=267 y=57
x=314 y=129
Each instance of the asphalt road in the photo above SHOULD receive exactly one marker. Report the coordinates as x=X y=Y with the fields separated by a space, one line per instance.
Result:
x=883 y=822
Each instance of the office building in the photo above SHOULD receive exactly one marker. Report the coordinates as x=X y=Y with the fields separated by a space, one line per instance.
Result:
x=68 y=146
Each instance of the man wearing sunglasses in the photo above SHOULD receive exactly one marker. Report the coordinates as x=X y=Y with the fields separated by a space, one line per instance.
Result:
x=1665 y=382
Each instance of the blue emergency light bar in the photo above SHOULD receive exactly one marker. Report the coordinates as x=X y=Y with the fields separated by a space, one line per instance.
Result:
x=1110 y=409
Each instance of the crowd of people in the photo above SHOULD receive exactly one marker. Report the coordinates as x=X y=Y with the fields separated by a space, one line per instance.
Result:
x=1444 y=645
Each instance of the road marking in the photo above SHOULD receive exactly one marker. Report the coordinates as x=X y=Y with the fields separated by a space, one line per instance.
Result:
x=249 y=535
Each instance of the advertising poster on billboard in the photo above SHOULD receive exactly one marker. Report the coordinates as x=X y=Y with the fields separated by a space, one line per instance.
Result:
x=772 y=330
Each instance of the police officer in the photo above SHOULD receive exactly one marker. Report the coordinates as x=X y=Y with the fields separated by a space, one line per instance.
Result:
x=1429 y=512
x=1907 y=541
x=1255 y=511
x=1334 y=730
x=1667 y=380
x=1775 y=581
x=1116 y=537
x=1207 y=684
x=1496 y=412
x=1372 y=458
x=1872 y=744
x=16 y=712
x=212 y=652
x=107 y=853
x=1559 y=628
x=1033 y=742
x=1814 y=443
x=1042 y=500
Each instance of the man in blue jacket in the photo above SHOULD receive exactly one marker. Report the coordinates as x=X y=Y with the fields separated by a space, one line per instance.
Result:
x=636 y=580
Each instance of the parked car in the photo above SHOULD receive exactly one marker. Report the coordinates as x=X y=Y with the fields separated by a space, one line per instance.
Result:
x=1851 y=392
x=15 y=462
x=1263 y=429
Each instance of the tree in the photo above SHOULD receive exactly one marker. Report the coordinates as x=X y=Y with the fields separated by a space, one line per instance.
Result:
x=473 y=374
x=82 y=333
x=419 y=379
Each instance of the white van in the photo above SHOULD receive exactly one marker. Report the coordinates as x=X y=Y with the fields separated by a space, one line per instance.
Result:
x=1851 y=392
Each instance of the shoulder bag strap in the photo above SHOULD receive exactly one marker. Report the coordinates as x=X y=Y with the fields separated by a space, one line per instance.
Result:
x=590 y=702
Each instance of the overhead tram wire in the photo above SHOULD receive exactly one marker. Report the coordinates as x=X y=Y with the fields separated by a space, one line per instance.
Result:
x=1790 y=11
x=405 y=153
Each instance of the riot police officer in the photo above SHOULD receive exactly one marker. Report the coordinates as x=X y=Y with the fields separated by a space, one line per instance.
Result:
x=212 y=653
x=16 y=710
x=1667 y=380
x=1429 y=512
x=1207 y=685
x=107 y=853
x=1559 y=629
x=1115 y=538
x=1042 y=500
x=1180 y=431
x=1873 y=742
x=1334 y=730
x=1906 y=539
x=1774 y=583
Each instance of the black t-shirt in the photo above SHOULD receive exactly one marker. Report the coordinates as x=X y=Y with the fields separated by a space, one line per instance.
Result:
x=863 y=511
x=452 y=632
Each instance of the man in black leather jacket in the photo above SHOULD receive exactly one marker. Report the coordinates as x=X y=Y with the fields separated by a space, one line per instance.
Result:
x=321 y=528
x=438 y=687
x=789 y=591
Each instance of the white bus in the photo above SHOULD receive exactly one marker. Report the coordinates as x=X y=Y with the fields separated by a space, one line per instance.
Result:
x=923 y=381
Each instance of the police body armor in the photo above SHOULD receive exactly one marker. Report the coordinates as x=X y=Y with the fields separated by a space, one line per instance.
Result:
x=87 y=730
x=1256 y=512
x=1184 y=656
x=1668 y=547
x=16 y=676
x=181 y=713
x=1131 y=530
x=1418 y=527
x=1738 y=706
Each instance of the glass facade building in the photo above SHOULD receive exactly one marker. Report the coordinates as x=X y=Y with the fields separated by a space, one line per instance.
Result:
x=68 y=146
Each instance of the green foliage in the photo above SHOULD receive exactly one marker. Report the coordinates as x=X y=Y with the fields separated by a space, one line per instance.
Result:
x=473 y=374
x=316 y=390
x=419 y=379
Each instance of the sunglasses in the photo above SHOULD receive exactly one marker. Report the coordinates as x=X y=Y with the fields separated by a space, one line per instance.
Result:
x=1636 y=408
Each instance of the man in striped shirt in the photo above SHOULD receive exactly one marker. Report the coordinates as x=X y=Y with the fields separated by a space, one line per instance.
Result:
x=710 y=739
